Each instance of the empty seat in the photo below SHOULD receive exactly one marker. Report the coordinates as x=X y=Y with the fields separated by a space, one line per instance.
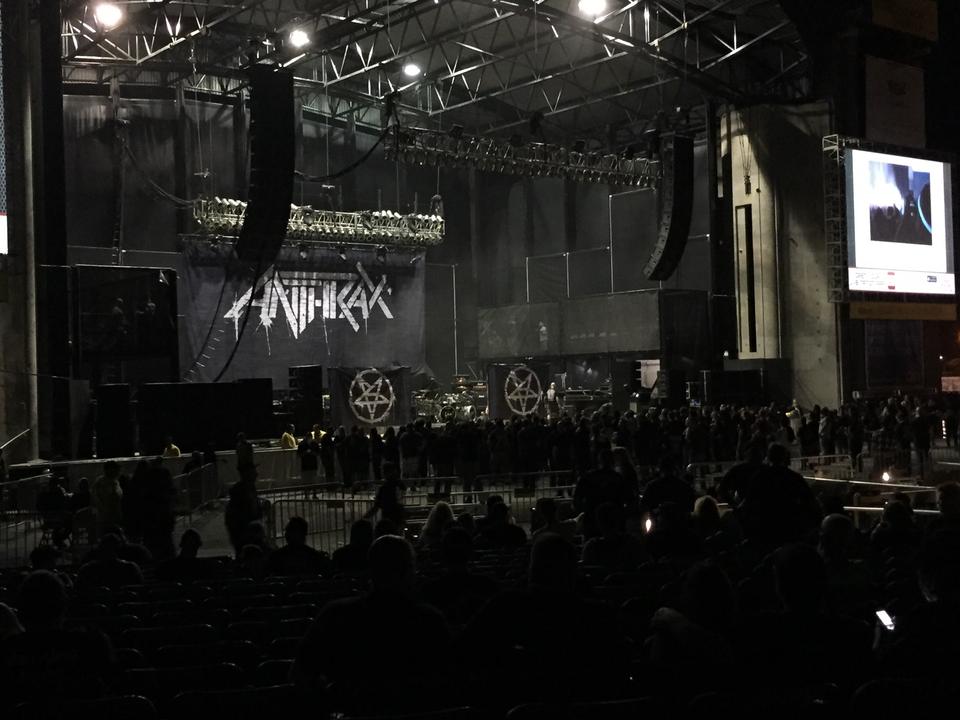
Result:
x=279 y=612
x=161 y=685
x=604 y=710
x=242 y=653
x=145 y=610
x=127 y=707
x=460 y=713
x=284 y=648
x=149 y=639
x=246 y=704
x=272 y=672
x=196 y=616
x=240 y=603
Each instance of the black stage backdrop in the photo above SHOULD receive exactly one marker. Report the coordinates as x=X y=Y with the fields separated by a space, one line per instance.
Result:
x=310 y=307
x=369 y=396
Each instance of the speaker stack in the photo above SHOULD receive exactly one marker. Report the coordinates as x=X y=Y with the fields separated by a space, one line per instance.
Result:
x=676 y=207
x=306 y=396
x=272 y=157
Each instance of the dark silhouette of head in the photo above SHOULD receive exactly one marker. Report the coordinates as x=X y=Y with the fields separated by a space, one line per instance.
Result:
x=948 y=500
x=42 y=601
x=707 y=597
x=296 y=531
x=800 y=578
x=109 y=547
x=190 y=543
x=391 y=562
x=547 y=510
x=456 y=548
x=44 y=557
x=836 y=533
x=778 y=455
x=361 y=534
x=553 y=564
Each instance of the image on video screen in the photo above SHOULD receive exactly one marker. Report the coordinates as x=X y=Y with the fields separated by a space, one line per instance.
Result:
x=899 y=198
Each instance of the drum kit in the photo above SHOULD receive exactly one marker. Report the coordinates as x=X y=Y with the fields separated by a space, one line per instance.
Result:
x=466 y=401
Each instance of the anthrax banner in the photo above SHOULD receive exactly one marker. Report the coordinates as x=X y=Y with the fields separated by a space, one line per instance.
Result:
x=368 y=396
x=309 y=307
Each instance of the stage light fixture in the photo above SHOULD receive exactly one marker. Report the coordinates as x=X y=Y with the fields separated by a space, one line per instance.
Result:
x=592 y=7
x=302 y=251
x=298 y=38
x=342 y=252
x=108 y=14
x=411 y=70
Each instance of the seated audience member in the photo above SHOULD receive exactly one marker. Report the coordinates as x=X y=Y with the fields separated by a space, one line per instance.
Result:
x=130 y=551
x=439 y=519
x=352 y=557
x=613 y=549
x=467 y=522
x=107 y=569
x=948 y=502
x=389 y=498
x=482 y=522
x=545 y=642
x=296 y=557
x=458 y=592
x=337 y=647
x=924 y=642
x=802 y=645
x=386 y=527
x=706 y=517
x=670 y=534
x=251 y=561
x=695 y=634
x=897 y=530
x=44 y=557
x=499 y=532
x=80 y=499
x=670 y=487
x=546 y=519
x=850 y=590
x=45 y=661
x=186 y=566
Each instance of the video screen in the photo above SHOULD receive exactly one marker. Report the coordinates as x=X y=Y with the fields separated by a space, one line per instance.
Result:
x=899 y=224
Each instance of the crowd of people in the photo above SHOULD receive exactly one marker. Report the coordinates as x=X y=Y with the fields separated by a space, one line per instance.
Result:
x=632 y=585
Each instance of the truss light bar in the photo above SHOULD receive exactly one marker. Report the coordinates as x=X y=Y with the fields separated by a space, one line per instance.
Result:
x=444 y=149
x=224 y=217
x=298 y=38
x=108 y=14
x=593 y=8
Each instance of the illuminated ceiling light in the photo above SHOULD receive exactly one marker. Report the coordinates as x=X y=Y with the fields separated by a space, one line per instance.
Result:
x=298 y=38
x=593 y=7
x=411 y=70
x=108 y=15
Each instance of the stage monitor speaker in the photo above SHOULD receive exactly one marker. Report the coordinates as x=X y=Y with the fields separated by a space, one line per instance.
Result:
x=676 y=207
x=306 y=394
x=272 y=156
x=114 y=422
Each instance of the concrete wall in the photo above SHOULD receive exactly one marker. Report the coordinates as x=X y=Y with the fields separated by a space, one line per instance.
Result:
x=780 y=149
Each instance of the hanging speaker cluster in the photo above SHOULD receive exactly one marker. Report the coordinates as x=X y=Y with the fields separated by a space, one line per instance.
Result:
x=272 y=157
x=676 y=207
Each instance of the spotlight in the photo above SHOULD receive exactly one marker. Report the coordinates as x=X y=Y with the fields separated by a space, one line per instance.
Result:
x=108 y=14
x=302 y=251
x=342 y=252
x=592 y=7
x=298 y=38
x=381 y=254
x=411 y=70
x=886 y=477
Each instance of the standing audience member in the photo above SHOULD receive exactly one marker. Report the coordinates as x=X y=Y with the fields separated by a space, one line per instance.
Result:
x=352 y=557
x=186 y=567
x=107 y=497
x=389 y=498
x=288 y=440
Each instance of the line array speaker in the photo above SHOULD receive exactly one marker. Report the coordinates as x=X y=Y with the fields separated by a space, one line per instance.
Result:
x=676 y=207
x=272 y=156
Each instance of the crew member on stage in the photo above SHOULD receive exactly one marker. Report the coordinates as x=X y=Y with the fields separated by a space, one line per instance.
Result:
x=288 y=441
x=553 y=402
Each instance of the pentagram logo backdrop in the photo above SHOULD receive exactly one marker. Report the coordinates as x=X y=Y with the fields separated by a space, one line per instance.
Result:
x=371 y=396
x=522 y=390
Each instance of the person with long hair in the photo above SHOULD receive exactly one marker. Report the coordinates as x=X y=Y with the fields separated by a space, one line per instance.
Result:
x=440 y=518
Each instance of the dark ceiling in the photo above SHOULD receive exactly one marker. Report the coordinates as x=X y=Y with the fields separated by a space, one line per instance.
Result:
x=488 y=65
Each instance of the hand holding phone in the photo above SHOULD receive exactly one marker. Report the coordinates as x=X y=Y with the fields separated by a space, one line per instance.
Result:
x=884 y=617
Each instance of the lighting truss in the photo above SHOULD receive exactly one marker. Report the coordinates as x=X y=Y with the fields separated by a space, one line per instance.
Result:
x=428 y=147
x=224 y=217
